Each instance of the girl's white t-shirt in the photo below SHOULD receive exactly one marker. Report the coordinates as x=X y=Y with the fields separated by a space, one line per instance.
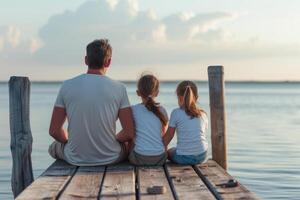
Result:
x=191 y=132
x=148 y=129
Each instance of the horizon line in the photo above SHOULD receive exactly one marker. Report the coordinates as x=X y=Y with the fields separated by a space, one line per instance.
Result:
x=172 y=81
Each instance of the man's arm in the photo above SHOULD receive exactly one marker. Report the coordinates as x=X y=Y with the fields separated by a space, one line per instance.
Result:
x=56 y=126
x=128 y=132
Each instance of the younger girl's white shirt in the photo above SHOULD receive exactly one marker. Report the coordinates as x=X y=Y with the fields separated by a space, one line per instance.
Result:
x=148 y=130
x=191 y=132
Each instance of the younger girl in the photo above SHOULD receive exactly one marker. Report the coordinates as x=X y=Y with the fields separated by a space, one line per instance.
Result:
x=150 y=125
x=190 y=124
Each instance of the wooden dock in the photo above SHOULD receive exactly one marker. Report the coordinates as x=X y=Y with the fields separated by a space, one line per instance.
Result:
x=122 y=181
x=126 y=182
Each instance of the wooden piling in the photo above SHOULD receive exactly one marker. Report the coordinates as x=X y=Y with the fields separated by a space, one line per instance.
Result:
x=217 y=115
x=21 y=137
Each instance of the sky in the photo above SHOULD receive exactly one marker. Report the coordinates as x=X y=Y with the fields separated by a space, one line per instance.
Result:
x=174 y=39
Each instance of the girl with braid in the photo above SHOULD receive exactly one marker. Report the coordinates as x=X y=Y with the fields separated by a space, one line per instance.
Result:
x=150 y=120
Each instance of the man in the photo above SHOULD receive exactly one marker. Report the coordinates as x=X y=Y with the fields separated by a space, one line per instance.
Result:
x=92 y=103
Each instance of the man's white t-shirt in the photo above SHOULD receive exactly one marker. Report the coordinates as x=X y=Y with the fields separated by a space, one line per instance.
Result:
x=148 y=130
x=191 y=132
x=92 y=103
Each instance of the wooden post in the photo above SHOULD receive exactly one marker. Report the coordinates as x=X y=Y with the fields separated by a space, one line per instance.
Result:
x=217 y=115
x=21 y=138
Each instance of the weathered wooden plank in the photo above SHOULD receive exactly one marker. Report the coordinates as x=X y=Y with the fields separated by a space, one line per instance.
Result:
x=216 y=175
x=217 y=114
x=59 y=168
x=187 y=183
x=119 y=183
x=154 y=176
x=50 y=184
x=85 y=184
x=21 y=137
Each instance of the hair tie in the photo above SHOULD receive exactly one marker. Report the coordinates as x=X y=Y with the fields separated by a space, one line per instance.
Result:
x=186 y=88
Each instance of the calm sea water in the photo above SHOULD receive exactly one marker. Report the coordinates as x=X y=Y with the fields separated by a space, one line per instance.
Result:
x=263 y=133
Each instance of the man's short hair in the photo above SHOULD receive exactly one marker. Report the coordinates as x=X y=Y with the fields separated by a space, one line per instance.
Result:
x=98 y=52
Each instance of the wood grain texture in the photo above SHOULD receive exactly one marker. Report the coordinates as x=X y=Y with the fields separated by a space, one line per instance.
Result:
x=119 y=183
x=85 y=183
x=50 y=183
x=187 y=183
x=154 y=176
x=217 y=114
x=59 y=168
x=217 y=175
x=70 y=182
x=21 y=137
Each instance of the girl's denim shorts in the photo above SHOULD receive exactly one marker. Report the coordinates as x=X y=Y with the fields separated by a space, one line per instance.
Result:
x=189 y=159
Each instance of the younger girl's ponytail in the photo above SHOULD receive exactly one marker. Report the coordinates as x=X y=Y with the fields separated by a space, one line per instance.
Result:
x=148 y=86
x=188 y=90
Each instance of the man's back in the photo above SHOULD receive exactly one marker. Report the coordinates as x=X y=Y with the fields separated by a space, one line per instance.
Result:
x=92 y=103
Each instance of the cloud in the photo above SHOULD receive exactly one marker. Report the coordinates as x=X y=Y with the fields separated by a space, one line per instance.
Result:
x=188 y=25
x=140 y=39
x=13 y=43
x=9 y=37
x=159 y=34
x=35 y=45
x=112 y=3
x=131 y=32
x=13 y=36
